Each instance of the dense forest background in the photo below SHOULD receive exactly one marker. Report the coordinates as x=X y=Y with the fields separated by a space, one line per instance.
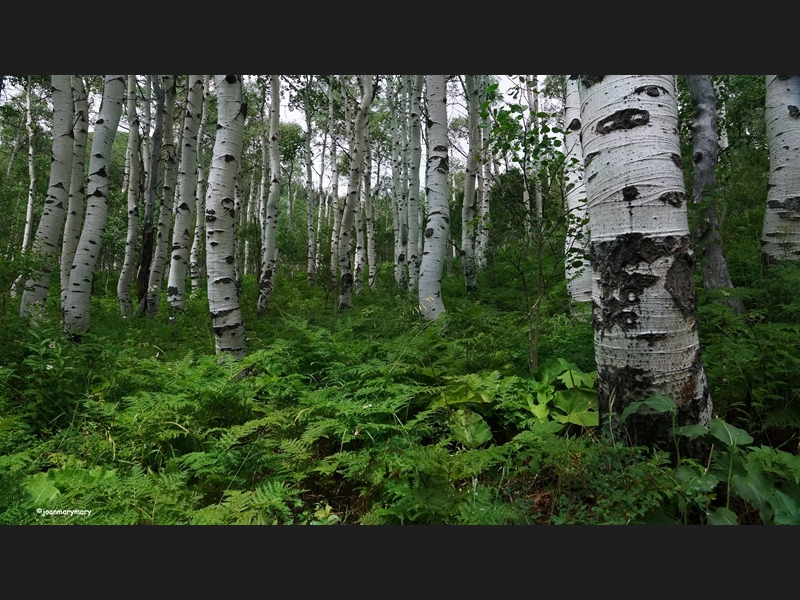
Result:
x=374 y=414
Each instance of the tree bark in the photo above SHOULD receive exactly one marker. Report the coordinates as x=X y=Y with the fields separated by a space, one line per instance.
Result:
x=708 y=235
x=76 y=305
x=223 y=299
x=48 y=233
x=134 y=191
x=644 y=299
x=780 y=239
x=437 y=228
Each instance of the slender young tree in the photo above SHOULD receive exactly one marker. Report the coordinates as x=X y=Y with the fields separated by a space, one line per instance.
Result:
x=72 y=228
x=578 y=269
x=164 y=227
x=415 y=154
x=348 y=216
x=48 y=233
x=780 y=239
x=705 y=140
x=195 y=262
x=30 y=126
x=186 y=204
x=644 y=299
x=269 y=248
x=76 y=306
x=133 y=161
x=223 y=299
x=470 y=178
x=437 y=228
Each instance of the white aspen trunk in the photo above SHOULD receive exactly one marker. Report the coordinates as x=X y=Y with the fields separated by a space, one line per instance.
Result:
x=186 y=204
x=195 y=261
x=337 y=218
x=396 y=185
x=311 y=197
x=371 y=258
x=437 y=228
x=468 y=207
x=76 y=305
x=162 y=242
x=29 y=126
x=780 y=239
x=77 y=189
x=361 y=248
x=414 y=257
x=48 y=233
x=644 y=299
x=404 y=164
x=269 y=257
x=223 y=299
x=356 y=159
x=708 y=235
x=147 y=120
x=482 y=239
x=134 y=181
x=578 y=267
x=247 y=217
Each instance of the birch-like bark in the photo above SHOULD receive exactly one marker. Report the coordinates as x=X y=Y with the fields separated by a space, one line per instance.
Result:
x=186 y=204
x=76 y=306
x=356 y=160
x=195 y=254
x=134 y=188
x=780 y=239
x=311 y=196
x=149 y=229
x=223 y=300
x=644 y=299
x=48 y=233
x=29 y=126
x=415 y=156
x=482 y=238
x=437 y=228
x=371 y=258
x=164 y=228
x=337 y=217
x=468 y=206
x=400 y=208
x=269 y=256
x=578 y=266
x=708 y=235
x=77 y=188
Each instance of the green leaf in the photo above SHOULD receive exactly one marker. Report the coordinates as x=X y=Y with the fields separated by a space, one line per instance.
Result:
x=728 y=434
x=786 y=510
x=755 y=490
x=722 y=516
x=577 y=406
x=41 y=488
x=691 y=430
x=657 y=402
x=694 y=480
x=469 y=428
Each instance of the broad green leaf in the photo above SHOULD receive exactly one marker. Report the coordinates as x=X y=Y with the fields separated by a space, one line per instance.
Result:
x=41 y=488
x=691 y=430
x=722 y=516
x=546 y=427
x=657 y=402
x=578 y=407
x=786 y=510
x=728 y=434
x=755 y=490
x=469 y=428
x=696 y=481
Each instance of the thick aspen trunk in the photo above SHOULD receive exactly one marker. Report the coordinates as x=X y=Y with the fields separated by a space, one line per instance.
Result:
x=644 y=299
x=29 y=126
x=780 y=239
x=223 y=299
x=76 y=305
x=437 y=228
x=48 y=233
